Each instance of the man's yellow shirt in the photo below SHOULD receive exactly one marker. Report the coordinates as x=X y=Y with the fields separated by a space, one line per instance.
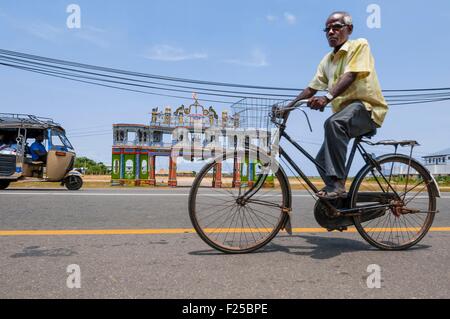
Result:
x=353 y=56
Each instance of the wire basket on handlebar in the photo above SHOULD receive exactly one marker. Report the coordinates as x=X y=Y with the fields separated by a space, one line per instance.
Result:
x=256 y=113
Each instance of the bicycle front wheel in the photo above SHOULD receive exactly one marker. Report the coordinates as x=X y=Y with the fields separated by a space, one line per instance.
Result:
x=228 y=224
x=405 y=188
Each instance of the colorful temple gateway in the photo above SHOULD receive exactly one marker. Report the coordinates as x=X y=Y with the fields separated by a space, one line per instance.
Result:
x=136 y=146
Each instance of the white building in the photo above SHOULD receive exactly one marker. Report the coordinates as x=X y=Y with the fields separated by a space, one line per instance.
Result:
x=438 y=163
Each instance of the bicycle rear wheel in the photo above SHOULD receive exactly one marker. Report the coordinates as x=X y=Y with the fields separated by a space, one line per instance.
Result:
x=229 y=225
x=407 y=187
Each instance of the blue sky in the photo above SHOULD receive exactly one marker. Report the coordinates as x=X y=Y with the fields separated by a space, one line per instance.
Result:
x=275 y=43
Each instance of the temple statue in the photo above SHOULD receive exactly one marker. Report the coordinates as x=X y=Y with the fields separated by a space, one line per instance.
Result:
x=167 y=115
x=180 y=113
x=212 y=115
x=155 y=114
x=236 y=119
x=224 y=118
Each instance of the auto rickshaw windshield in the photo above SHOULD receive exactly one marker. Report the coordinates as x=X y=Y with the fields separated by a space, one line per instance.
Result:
x=59 y=135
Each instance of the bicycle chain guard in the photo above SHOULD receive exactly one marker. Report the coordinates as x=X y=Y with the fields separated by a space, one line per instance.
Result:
x=324 y=217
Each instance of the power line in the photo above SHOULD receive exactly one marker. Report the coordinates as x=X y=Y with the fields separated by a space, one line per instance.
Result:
x=88 y=128
x=49 y=67
x=176 y=79
x=90 y=132
x=120 y=88
x=138 y=74
x=426 y=98
x=88 y=135
x=49 y=72
x=77 y=72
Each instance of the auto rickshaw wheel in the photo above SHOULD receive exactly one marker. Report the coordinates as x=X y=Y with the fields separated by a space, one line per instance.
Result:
x=73 y=182
x=4 y=184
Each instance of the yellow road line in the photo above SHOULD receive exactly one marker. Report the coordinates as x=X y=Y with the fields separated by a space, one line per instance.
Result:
x=180 y=231
x=96 y=232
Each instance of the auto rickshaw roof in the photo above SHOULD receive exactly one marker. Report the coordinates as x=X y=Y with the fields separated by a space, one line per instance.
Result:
x=13 y=120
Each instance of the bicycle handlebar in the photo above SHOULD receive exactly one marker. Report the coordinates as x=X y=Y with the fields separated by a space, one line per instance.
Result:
x=298 y=105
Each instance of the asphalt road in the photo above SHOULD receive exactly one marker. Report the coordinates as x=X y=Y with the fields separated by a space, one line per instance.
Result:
x=117 y=261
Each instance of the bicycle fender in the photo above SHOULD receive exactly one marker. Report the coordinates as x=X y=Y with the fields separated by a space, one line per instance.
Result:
x=287 y=222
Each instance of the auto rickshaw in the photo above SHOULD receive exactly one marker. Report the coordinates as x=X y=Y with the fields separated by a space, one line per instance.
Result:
x=16 y=162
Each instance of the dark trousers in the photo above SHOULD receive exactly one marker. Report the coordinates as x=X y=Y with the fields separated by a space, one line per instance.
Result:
x=353 y=121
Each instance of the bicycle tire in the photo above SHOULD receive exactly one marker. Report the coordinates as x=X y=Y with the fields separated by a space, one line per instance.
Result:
x=207 y=235
x=414 y=225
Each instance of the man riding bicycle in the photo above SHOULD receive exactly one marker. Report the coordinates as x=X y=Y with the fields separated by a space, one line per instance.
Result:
x=348 y=74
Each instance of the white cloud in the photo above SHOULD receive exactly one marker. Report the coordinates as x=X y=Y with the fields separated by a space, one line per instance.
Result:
x=164 y=52
x=92 y=35
x=257 y=59
x=91 y=38
x=290 y=18
x=94 y=29
x=44 y=31
x=51 y=33
x=271 y=18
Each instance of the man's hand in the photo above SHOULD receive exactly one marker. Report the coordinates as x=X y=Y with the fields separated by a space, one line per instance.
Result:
x=280 y=112
x=277 y=111
x=318 y=102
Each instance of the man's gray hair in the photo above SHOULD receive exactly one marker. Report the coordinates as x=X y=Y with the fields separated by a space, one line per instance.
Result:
x=345 y=16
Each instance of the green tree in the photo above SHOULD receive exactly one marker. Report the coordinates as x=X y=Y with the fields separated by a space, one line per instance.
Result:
x=90 y=166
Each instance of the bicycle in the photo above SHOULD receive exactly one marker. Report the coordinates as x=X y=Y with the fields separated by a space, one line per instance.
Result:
x=391 y=200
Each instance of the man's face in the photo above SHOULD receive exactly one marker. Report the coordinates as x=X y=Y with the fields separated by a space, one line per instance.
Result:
x=39 y=138
x=337 y=31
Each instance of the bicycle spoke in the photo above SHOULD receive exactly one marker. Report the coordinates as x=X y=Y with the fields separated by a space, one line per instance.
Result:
x=216 y=205
x=404 y=194
x=406 y=203
x=264 y=203
x=254 y=209
x=218 y=218
x=256 y=225
x=401 y=226
x=229 y=227
x=250 y=227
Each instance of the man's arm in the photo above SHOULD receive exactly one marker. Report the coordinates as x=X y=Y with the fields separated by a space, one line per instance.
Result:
x=39 y=151
x=305 y=94
x=344 y=82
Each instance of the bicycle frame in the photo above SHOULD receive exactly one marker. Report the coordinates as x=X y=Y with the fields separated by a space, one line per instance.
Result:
x=356 y=146
x=283 y=154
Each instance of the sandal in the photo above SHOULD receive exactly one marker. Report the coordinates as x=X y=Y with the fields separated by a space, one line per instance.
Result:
x=325 y=194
